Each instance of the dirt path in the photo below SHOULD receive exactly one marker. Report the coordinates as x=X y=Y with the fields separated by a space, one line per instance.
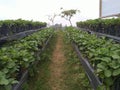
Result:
x=59 y=68
x=56 y=66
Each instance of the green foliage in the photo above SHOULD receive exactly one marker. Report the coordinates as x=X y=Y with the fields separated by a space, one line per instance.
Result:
x=19 y=55
x=9 y=27
x=75 y=79
x=108 y=26
x=104 y=55
x=39 y=81
x=68 y=14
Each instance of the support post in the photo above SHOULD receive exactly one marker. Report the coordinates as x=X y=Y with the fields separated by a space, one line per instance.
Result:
x=100 y=8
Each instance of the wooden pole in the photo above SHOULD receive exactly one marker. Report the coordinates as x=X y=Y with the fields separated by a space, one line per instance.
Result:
x=100 y=8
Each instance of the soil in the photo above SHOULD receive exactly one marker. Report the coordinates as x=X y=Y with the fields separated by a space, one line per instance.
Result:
x=56 y=66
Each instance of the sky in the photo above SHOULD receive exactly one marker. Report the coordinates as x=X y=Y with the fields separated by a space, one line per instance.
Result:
x=110 y=7
x=38 y=10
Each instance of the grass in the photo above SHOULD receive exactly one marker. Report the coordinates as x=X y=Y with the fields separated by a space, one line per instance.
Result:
x=40 y=80
x=75 y=78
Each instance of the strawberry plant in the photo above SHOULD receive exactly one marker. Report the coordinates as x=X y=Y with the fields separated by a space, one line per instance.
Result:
x=103 y=55
x=107 y=26
x=9 y=27
x=17 y=56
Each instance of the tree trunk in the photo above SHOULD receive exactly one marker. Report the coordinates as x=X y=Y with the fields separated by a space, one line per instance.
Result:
x=70 y=22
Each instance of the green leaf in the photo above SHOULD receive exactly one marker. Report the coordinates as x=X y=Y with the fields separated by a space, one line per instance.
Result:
x=4 y=81
x=108 y=73
x=115 y=56
x=91 y=54
x=5 y=70
x=11 y=64
x=99 y=70
x=101 y=87
x=25 y=59
x=13 y=81
x=8 y=87
x=116 y=72
x=5 y=57
x=4 y=48
x=114 y=64
x=102 y=65
x=106 y=59
x=108 y=81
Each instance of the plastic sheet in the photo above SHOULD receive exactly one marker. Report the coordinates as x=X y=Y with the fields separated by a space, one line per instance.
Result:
x=94 y=80
x=25 y=74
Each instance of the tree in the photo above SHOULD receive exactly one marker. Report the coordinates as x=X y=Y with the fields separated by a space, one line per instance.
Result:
x=68 y=14
x=52 y=18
